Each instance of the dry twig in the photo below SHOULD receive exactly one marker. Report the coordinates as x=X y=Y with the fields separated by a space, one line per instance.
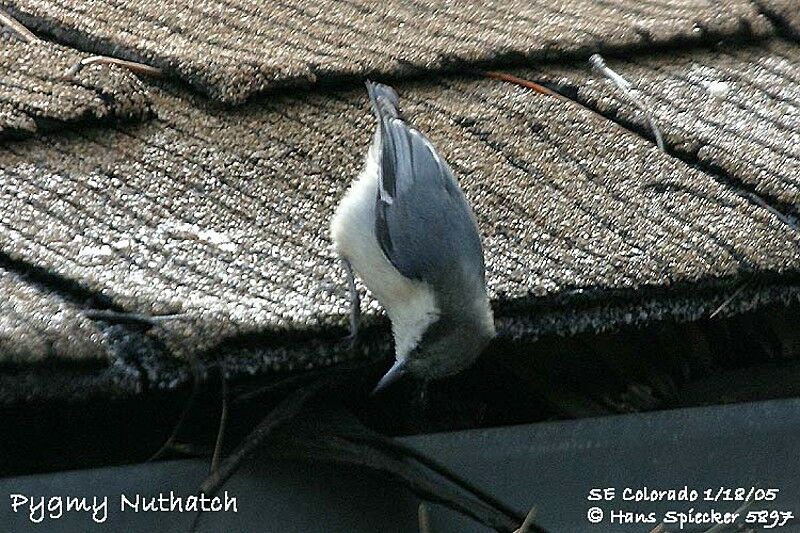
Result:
x=223 y=421
x=598 y=63
x=424 y=517
x=728 y=300
x=284 y=412
x=528 y=84
x=136 y=68
x=335 y=435
x=14 y=25
x=138 y=318
x=293 y=382
x=527 y=525
x=401 y=450
x=538 y=88
x=194 y=366
x=344 y=450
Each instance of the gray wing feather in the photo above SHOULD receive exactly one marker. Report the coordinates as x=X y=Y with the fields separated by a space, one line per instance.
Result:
x=386 y=105
x=423 y=222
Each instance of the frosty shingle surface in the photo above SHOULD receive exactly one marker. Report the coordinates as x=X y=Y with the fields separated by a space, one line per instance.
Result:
x=222 y=214
x=736 y=110
x=784 y=12
x=232 y=49
x=37 y=324
x=34 y=95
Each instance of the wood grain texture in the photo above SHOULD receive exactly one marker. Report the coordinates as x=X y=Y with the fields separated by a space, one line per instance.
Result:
x=735 y=110
x=232 y=49
x=35 y=97
x=222 y=214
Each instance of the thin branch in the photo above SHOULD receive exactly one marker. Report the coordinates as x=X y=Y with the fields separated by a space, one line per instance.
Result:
x=336 y=449
x=728 y=300
x=424 y=518
x=598 y=63
x=285 y=411
x=168 y=444
x=407 y=451
x=527 y=525
x=528 y=84
x=22 y=32
x=293 y=382
x=538 y=88
x=136 y=68
x=786 y=219
x=122 y=316
x=223 y=421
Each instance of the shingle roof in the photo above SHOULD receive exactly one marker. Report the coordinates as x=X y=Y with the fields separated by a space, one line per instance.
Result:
x=231 y=49
x=784 y=13
x=220 y=212
x=37 y=324
x=35 y=96
x=732 y=109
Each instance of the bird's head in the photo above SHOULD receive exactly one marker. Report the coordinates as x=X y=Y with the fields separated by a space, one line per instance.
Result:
x=448 y=346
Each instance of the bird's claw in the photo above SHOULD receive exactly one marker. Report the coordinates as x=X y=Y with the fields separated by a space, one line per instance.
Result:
x=353 y=340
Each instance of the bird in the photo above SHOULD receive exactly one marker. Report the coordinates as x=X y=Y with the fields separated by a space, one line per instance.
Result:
x=406 y=228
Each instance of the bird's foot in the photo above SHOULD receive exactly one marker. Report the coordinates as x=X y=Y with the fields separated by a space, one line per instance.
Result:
x=352 y=340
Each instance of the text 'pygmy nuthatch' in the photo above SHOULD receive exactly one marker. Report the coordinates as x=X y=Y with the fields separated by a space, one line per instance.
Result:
x=406 y=228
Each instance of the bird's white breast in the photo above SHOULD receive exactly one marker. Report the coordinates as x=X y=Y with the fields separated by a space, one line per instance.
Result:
x=410 y=304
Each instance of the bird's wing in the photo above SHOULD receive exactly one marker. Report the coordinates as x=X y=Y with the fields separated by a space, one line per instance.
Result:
x=386 y=105
x=423 y=222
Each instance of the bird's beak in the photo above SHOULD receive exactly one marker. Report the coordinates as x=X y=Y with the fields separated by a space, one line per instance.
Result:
x=397 y=371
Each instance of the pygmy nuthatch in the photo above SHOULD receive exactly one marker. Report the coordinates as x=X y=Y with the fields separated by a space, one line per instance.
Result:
x=406 y=228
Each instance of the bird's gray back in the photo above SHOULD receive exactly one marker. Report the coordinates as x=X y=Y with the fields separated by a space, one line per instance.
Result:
x=424 y=223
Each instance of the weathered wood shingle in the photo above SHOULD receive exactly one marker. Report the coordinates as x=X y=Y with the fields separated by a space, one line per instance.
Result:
x=735 y=110
x=37 y=324
x=223 y=214
x=232 y=49
x=784 y=13
x=220 y=213
x=35 y=96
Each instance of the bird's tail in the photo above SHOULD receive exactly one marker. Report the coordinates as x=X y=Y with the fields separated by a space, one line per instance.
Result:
x=385 y=101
